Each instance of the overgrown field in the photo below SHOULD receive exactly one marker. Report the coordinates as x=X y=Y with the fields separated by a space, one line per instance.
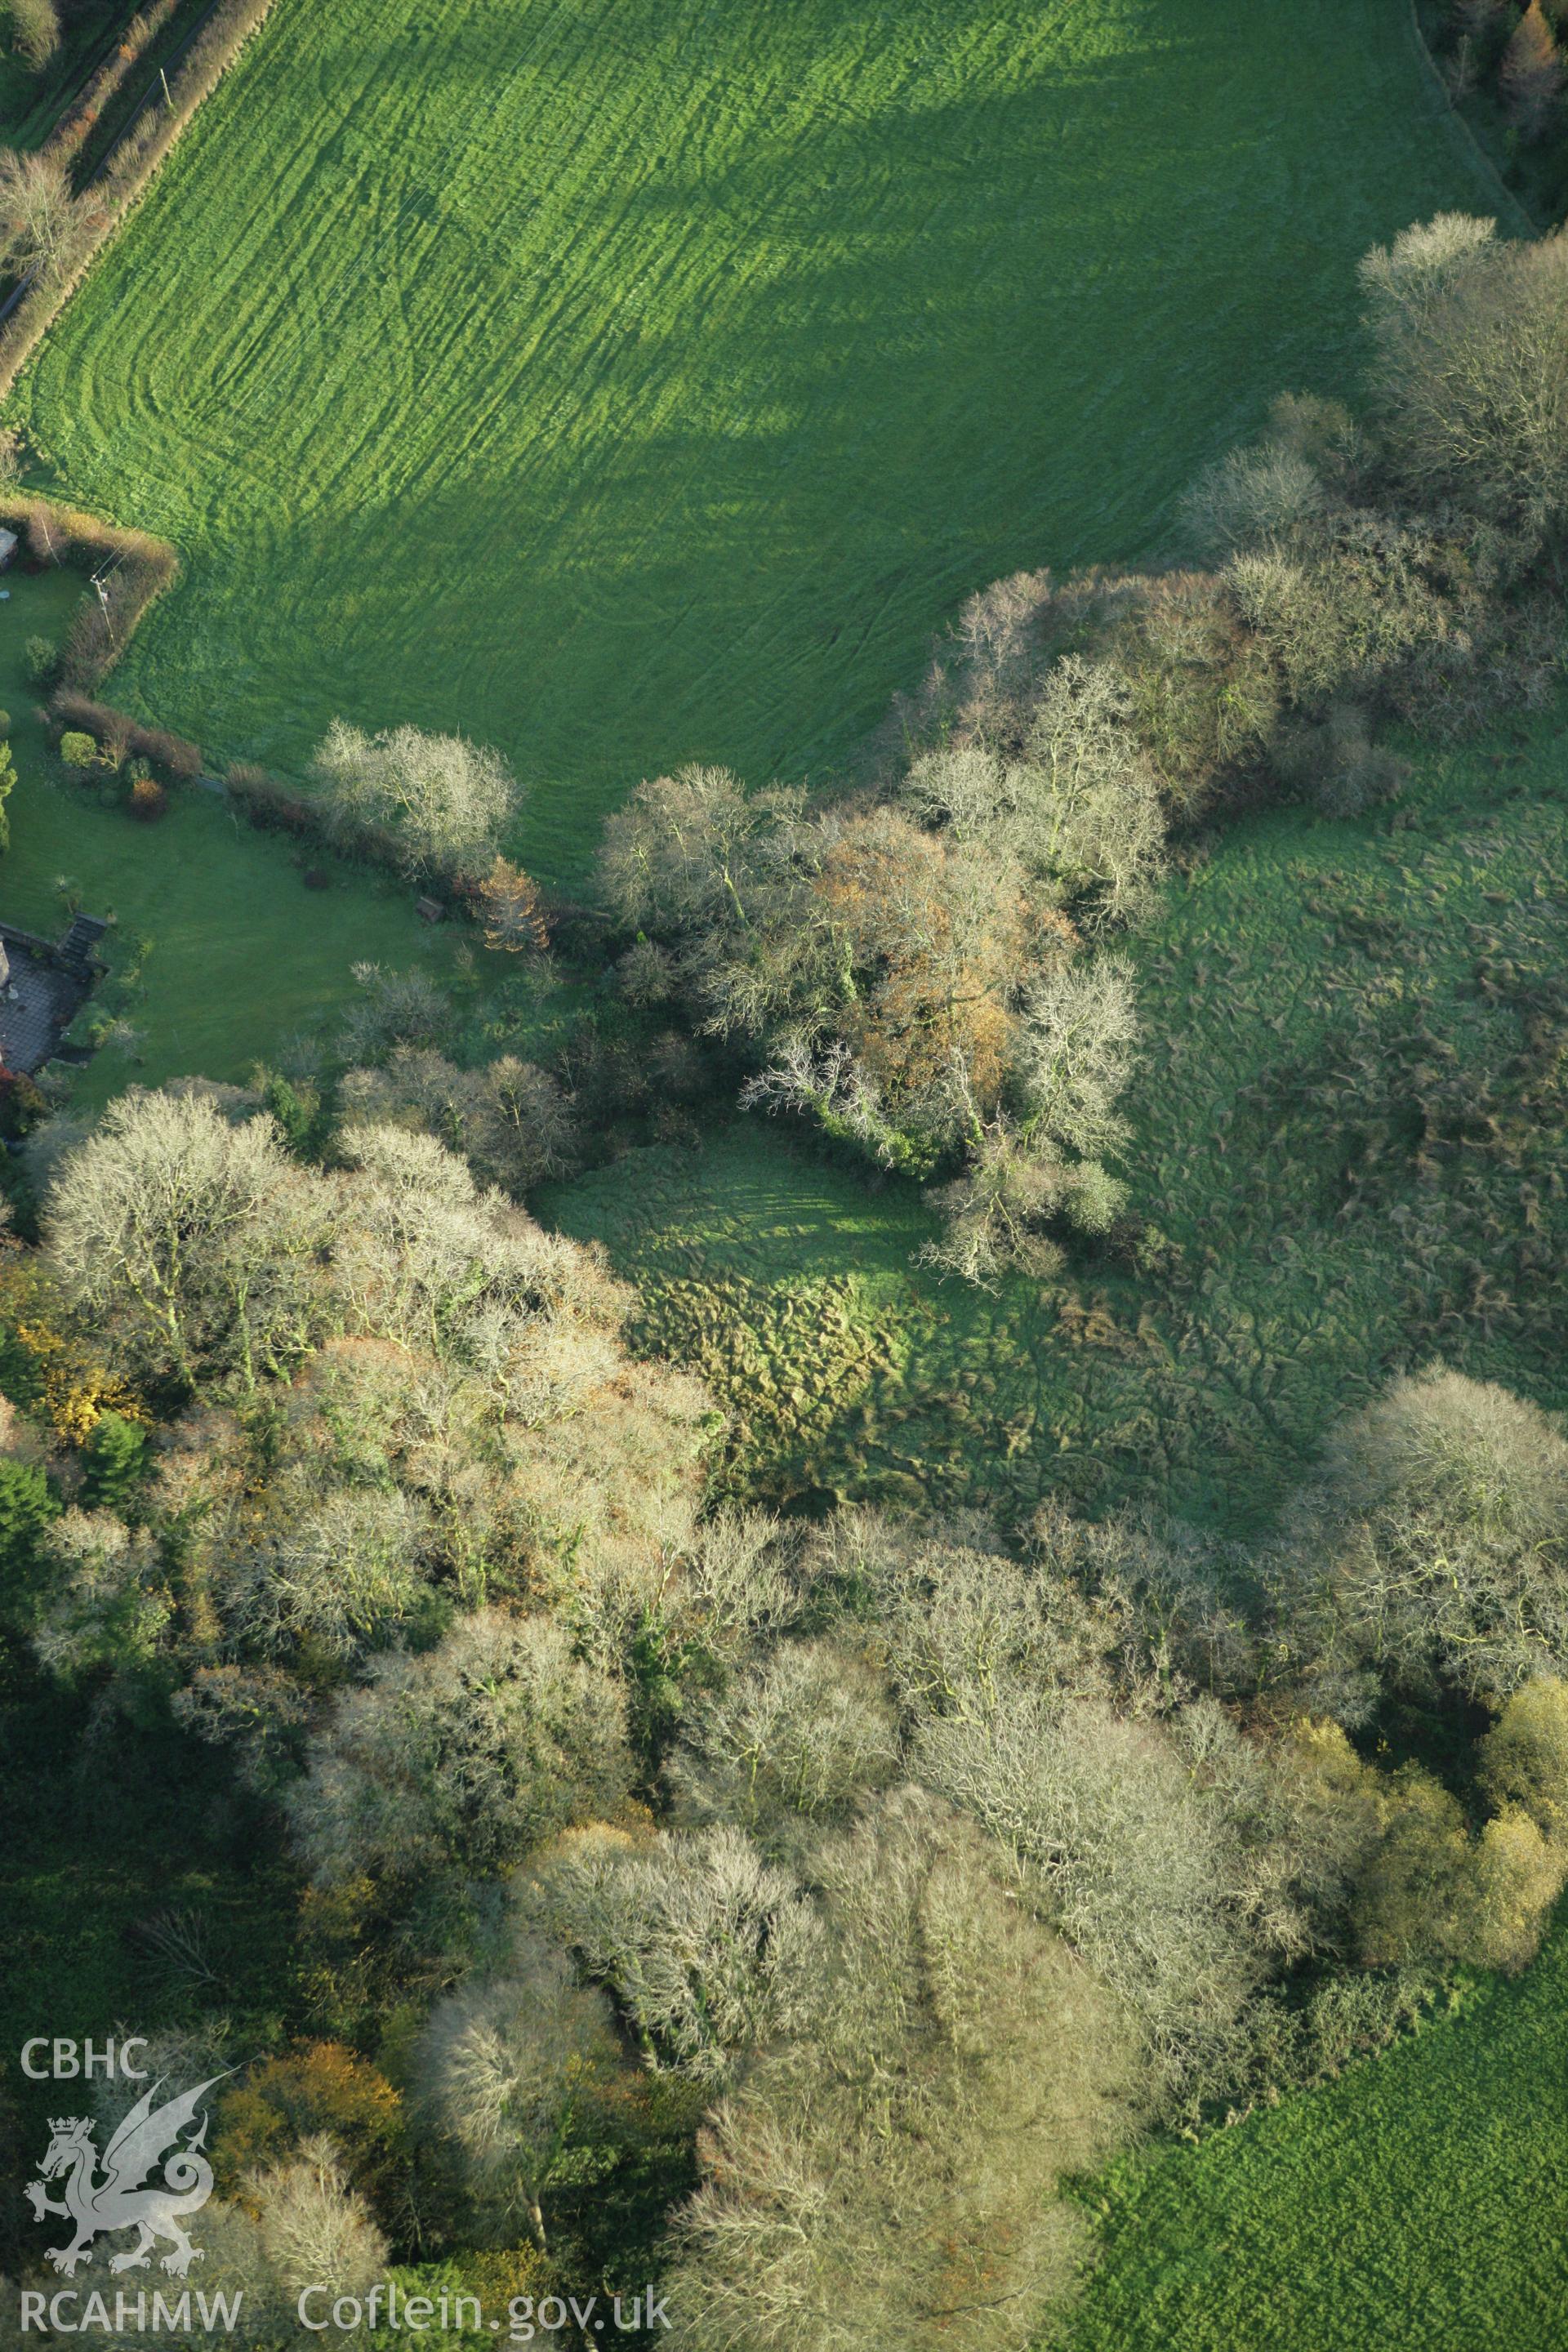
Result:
x=1347 y=1156
x=623 y=381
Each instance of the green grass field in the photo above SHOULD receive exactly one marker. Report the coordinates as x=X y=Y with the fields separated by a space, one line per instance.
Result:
x=242 y=954
x=1419 y=2204
x=627 y=381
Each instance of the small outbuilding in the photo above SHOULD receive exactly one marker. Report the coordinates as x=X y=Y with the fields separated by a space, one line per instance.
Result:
x=7 y=547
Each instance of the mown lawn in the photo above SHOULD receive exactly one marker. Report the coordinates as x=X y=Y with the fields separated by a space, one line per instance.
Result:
x=242 y=954
x=1347 y=1144
x=627 y=381
x=1419 y=2204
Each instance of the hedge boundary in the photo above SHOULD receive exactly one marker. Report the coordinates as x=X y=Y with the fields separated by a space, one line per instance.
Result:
x=128 y=173
x=142 y=570
x=128 y=739
x=273 y=806
x=1461 y=135
x=82 y=114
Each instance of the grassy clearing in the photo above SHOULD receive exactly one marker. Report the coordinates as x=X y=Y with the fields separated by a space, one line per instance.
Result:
x=242 y=954
x=625 y=382
x=1347 y=1139
x=1419 y=2204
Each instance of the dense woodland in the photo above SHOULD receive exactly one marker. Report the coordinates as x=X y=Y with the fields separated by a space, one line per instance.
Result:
x=791 y=1910
x=888 y=1872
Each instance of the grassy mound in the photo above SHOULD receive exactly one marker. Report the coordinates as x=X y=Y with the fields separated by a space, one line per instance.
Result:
x=629 y=383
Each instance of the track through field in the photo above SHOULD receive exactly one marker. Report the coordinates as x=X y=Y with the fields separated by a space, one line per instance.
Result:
x=626 y=381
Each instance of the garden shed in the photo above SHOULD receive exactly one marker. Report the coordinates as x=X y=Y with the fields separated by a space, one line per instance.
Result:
x=7 y=547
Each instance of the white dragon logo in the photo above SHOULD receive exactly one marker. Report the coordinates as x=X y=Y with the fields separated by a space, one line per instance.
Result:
x=118 y=2200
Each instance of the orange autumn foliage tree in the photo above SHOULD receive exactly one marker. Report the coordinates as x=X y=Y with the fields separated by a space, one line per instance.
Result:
x=319 y=2087
x=1532 y=74
x=509 y=907
x=933 y=942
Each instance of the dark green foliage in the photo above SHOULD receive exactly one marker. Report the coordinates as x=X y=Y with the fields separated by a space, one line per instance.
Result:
x=27 y=1503
x=115 y=1462
x=297 y=1109
x=21 y=1105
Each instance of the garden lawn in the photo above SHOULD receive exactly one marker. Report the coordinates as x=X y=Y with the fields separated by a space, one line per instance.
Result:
x=242 y=954
x=1419 y=2204
x=1348 y=1134
x=631 y=381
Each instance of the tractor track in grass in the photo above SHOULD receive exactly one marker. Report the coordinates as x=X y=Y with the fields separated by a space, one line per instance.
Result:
x=700 y=359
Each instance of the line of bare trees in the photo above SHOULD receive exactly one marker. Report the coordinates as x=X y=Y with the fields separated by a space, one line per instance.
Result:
x=50 y=233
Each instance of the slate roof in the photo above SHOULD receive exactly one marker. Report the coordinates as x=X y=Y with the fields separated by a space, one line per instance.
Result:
x=47 y=981
x=34 y=1010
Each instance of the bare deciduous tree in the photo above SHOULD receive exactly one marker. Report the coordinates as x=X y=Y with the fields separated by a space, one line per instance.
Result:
x=890 y=2177
x=191 y=1235
x=467 y=1754
x=1253 y=498
x=517 y=2072
x=996 y=1217
x=39 y=215
x=1432 y=1552
x=1089 y=812
x=1141 y=1871
x=804 y=1732
x=315 y=2229
x=1078 y=1032
x=511 y=1120
x=441 y=799
x=1471 y=370
x=708 y=1952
